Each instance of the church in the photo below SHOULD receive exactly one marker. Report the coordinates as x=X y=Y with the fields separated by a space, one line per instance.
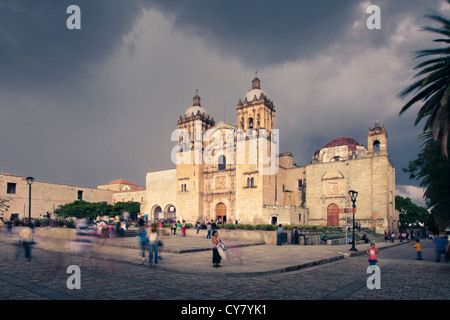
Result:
x=232 y=172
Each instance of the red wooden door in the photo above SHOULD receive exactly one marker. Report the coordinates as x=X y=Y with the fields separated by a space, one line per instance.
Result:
x=333 y=215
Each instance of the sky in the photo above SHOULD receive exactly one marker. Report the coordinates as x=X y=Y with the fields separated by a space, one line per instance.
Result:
x=91 y=105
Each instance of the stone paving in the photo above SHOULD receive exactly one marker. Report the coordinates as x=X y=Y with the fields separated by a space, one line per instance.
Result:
x=255 y=272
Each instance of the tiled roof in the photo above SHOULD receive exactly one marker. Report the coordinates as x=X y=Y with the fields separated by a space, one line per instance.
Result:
x=342 y=141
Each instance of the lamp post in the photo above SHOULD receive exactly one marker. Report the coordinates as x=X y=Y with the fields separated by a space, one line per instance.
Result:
x=29 y=182
x=353 y=194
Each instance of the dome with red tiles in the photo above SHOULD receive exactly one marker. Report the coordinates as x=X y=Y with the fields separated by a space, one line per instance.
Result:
x=122 y=181
x=343 y=141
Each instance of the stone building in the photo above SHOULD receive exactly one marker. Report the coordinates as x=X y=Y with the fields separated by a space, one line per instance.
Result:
x=234 y=172
x=45 y=196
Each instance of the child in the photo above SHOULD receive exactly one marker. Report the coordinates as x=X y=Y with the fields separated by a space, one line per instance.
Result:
x=372 y=252
x=419 y=250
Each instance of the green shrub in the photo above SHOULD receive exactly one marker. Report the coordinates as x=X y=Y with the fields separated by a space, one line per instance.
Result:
x=69 y=223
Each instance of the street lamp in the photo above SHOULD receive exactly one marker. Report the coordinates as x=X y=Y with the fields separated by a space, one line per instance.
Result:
x=29 y=182
x=353 y=194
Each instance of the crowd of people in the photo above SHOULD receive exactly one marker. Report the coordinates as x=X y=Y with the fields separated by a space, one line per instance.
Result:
x=150 y=235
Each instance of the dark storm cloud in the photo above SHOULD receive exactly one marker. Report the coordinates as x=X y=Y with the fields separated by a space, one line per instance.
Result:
x=38 y=49
x=262 y=33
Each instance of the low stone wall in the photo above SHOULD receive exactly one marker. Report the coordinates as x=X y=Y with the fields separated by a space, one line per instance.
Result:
x=268 y=237
x=56 y=233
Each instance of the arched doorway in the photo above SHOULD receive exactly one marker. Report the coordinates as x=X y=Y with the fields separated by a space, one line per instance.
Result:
x=333 y=215
x=170 y=212
x=157 y=213
x=221 y=212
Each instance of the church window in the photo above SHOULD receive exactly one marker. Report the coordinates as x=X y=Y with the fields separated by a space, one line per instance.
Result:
x=300 y=183
x=250 y=123
x=376 y=146
x=252 y=182
x=80 y=194
x=222 y=162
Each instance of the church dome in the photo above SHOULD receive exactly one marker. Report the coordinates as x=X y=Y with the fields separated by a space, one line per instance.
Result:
x=196 y=107
x=255 y=91
x=343 y=141
x=333 y=150
x=122 y=181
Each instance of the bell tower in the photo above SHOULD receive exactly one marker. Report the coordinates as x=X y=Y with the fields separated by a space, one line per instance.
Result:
x=377 y=140
x=256 y=111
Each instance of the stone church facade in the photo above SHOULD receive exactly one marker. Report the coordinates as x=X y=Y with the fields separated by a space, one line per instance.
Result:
x=235 y=172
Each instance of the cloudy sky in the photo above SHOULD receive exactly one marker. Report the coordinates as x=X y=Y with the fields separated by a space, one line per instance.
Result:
x=85 y=107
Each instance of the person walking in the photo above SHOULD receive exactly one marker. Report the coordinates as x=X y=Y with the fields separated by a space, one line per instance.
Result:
x=153 y=242
x=215 y=241
x=279 y=235
x=419 y=249
x=26 y=239
x=209 y=229
x=440 y=247
x=183 y=228
x=174 y=228
x=372 y=252
x=143 y=240
x=179 y=228
x=295 y=236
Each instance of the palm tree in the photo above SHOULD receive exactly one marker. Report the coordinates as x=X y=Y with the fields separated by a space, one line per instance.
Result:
x=433 y=88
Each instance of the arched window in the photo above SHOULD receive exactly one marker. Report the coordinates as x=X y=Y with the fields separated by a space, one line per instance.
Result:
x=250 y=123
x=222 y=162
x=252 y=182
x=376 y=146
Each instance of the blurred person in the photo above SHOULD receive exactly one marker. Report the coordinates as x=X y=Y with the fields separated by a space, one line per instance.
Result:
x=143 y=240
x=179 y=228
x=209 y=229
x=418 y=249
x=26 y=239
x=153 y=242
x=83 y=242
x=174 y=228
x=183 y=228
x=279 y=235
x=9 y=226
x=295 y=236
x=372 y=252
x=440 y=247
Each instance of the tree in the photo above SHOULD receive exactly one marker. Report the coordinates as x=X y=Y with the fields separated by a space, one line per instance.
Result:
x=3 y=205
x=433 y=173
x=434 y=86
x=132 y=207
x=83 y=209
x=410 y=212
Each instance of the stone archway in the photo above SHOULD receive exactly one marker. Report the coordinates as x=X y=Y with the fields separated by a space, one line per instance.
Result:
x=333 y=215
x=156 y=212
x=170 y=212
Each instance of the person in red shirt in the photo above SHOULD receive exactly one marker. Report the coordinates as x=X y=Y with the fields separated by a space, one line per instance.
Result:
x=372 y=252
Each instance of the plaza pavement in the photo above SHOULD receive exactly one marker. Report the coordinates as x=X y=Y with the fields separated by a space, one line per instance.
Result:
x=193 y=255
